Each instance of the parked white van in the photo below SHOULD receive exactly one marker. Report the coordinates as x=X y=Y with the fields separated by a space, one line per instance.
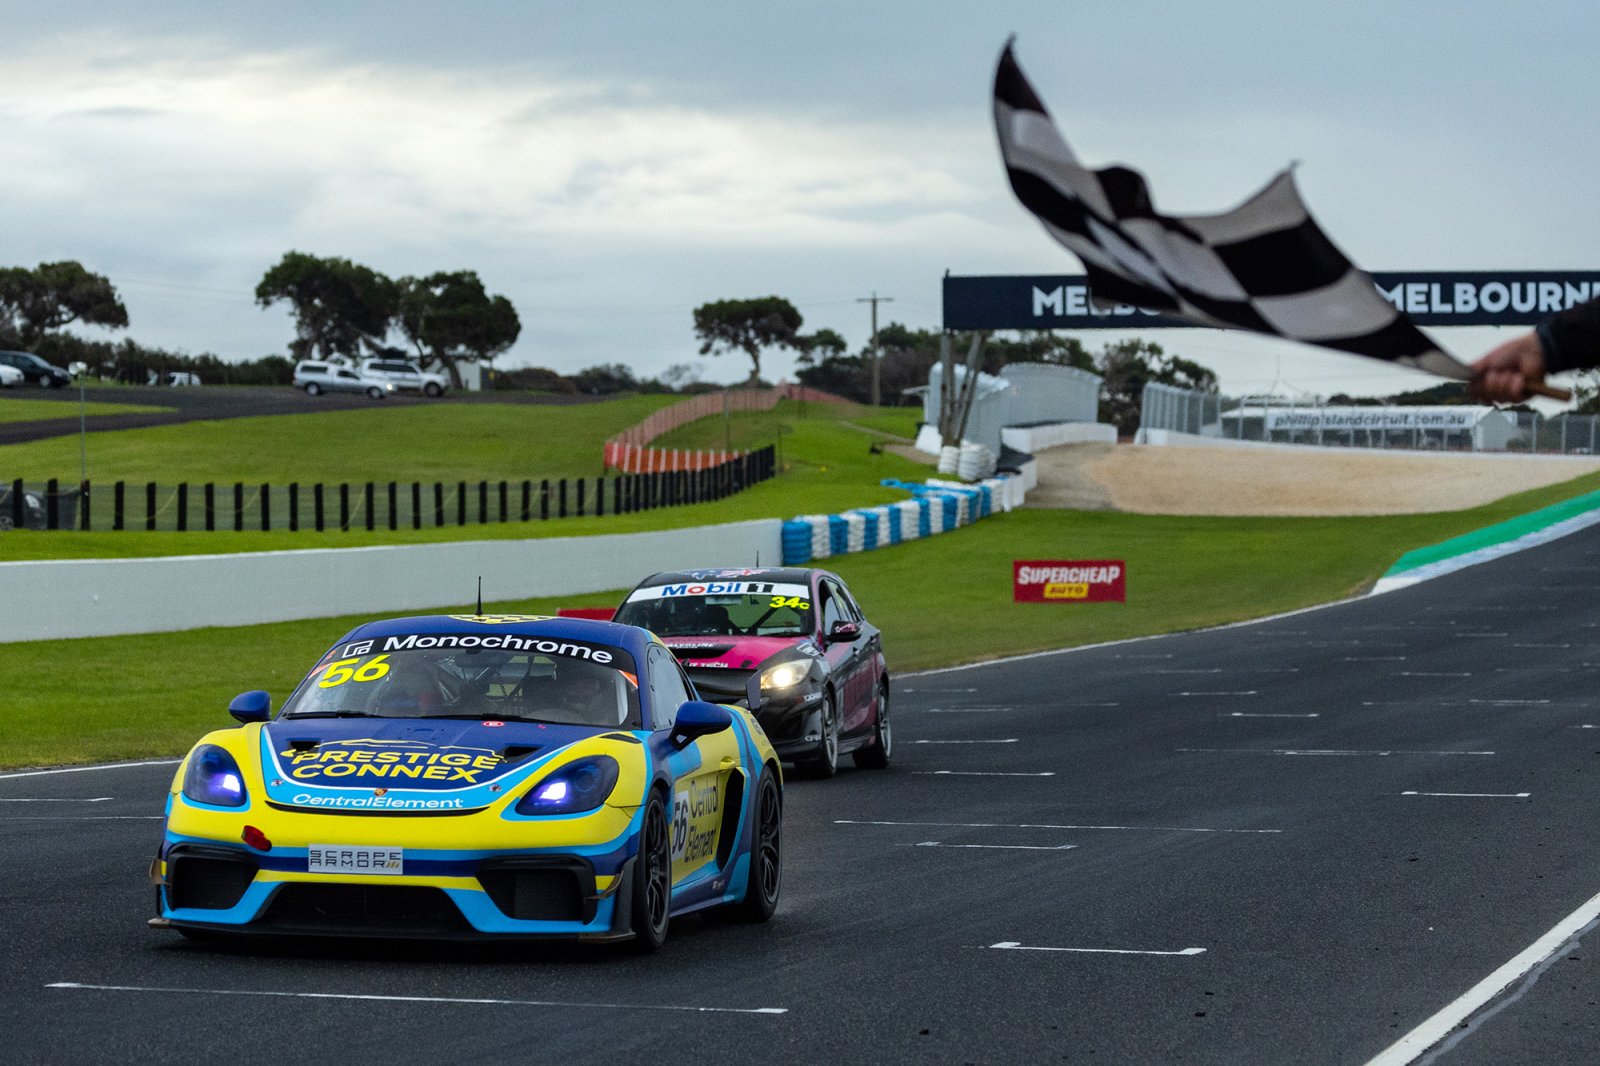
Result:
x=407 y=376
x=317 y=378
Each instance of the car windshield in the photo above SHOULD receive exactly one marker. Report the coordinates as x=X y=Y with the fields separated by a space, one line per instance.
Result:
x=722 y=608
x=500 y=676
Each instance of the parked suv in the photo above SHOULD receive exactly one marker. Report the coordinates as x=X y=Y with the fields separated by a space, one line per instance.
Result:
x=35 y=370
x=317 y=378
x=406 y=375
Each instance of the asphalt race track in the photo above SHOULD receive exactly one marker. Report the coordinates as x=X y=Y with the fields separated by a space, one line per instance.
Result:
x=1288 y=842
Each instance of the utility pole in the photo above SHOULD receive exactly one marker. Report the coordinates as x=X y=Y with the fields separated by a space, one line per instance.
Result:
x=874 y=300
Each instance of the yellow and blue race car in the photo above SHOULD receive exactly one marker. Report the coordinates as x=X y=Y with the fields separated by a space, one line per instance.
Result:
x=475 y=776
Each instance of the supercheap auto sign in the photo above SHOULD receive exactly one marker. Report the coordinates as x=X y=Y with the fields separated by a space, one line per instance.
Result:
x=1069 y=581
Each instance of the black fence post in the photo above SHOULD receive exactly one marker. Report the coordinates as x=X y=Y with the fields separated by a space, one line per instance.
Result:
x=461 y=504
x=83 y=505
x=582 y=482
x=527 y=500
x=344 y=507
x=616 y=495
x=150 y=506
x=316 y=505
x=238 y=506
x=183 y=506
x=599 y=496
x=19 y=505
x=211 y=507
x=52 y=495
x=294 y=507
x=266 y=507
x=503 y=501
x=416 y=505
x=563 y=496
x=483 y=503
x=369 y=499
x=544 y=499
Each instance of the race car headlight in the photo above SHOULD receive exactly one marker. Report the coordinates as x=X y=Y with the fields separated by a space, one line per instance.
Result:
x=572 y=789
x=214 y=778
x=784 y=675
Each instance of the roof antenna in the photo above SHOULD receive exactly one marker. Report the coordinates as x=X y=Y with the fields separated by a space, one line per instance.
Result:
x=480 y=595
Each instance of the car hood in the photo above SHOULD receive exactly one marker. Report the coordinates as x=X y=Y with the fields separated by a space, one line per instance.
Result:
x=405 y=763
x=734 y=653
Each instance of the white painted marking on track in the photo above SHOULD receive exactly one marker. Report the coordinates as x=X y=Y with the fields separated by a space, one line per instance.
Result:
x=967 y=710
x=82 y=818
x=417 y=999
x=96 y=799
x=1373 y=659
x=1241 y=692
x=1556 y=646
x=1480 y=634
x=1245 y=714
x=86 y=769
x=1012 y=945
x=938 y=690
x=1472 y=795
x=1026 y=825
x=1585 y=727
x=1331 y=751
x=1432 y=673
x=1411 y=1046
x=979 y=773
x=1003 y=740
x=1203 y=670
x=994 y=847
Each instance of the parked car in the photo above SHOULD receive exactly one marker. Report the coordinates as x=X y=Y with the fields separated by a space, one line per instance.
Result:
x=10 y=376
x=174 y=378
x=406 y=376
x=789 y=644
x=317 y=378
x=35 y=370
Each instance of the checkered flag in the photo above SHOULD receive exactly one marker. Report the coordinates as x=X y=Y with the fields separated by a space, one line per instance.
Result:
x=1266 y=266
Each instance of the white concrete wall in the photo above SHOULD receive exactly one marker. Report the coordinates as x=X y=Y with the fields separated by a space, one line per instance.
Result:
x=1035 y=439
x=55 y=599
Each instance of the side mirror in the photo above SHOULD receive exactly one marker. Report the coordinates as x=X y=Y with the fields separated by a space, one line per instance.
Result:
x=752 y=693
x=844 y=631
x=253 y=706
x=697 y=719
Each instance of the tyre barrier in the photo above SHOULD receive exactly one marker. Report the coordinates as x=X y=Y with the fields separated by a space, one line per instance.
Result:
x=935 y=507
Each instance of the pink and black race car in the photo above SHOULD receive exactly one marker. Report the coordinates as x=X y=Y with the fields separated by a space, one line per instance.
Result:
x=789 y=644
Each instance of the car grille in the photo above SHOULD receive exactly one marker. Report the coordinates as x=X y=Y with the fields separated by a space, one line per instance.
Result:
x=540 y=889
x=363 y=909
x=720 y=686
x=212 y=882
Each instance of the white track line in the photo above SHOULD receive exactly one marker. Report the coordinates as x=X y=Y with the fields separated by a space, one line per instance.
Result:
x=86 y=769
x=420 y=999
x=1473 y=795
x=1327 y=751
x=1005 y=740
x=96 y=799
x=1012 y=945
x=1411 y=1046
x=1245 y=714
x=1241 y=692
x=1027 y=825
x=994 y=847
x=979 y=773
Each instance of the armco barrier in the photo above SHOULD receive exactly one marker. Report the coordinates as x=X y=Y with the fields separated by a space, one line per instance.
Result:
x=64 y=598
x=936 y=506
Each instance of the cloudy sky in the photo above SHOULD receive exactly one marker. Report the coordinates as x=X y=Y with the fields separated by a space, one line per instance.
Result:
x=609 y=167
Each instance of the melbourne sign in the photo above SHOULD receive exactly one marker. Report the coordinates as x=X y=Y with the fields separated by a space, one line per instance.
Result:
x=1069 y=581
x=1430 y=298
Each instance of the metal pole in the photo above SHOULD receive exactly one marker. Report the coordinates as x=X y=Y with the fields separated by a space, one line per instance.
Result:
x=83 y=434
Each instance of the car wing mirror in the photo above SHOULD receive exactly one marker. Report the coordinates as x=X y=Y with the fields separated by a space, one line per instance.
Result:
x=752 y=692
x=840 y=632
x=252 y=706
x=698 y=719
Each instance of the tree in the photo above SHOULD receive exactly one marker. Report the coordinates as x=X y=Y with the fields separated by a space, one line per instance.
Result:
x=337 y=304
x=35 y=302
x=451 y=319
x=1127 y=366
x=605 y=379
x=820 y=346
x=748 y=326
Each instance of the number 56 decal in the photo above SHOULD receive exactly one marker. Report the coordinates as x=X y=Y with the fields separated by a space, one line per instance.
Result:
x=341 y=670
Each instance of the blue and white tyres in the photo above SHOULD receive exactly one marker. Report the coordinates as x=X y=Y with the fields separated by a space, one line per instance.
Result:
x=935 y=507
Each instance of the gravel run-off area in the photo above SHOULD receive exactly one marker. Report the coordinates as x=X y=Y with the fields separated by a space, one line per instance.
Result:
x=1287 y=480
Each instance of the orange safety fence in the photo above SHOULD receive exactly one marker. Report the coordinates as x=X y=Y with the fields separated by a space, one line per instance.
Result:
x=628 y=451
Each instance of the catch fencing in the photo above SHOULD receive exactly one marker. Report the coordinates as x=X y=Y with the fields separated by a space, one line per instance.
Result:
x=1288 y=421
x=716 y=403
x=294 y=507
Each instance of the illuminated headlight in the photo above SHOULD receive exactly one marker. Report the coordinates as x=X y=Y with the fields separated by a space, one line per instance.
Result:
x=572 y=789
x=784 y=675
x=214 y=778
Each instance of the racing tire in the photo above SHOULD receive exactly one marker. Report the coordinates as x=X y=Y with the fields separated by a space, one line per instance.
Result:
x=652 y=878
x=374 y=392
x=313 y=389
x=760 y=901
x=825 y=763
x=876 y=755
x=432 y=389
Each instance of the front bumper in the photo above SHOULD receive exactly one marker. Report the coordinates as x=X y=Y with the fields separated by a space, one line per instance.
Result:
x=563 y=891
